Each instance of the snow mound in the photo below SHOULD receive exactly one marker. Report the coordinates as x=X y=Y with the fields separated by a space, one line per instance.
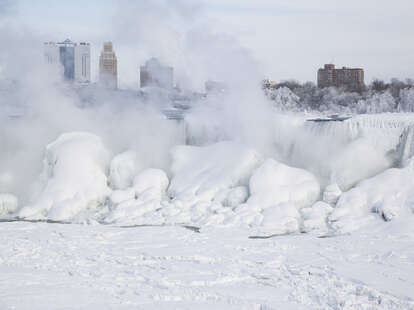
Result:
x=8 y=204
x=122 y=169
x=73 y=178
x=315 y=217
x=200 y=173
x=389 y=194
x=331 y=194
x=283 y=218
x=274 y=183
x=151 y=182
x=139 y=203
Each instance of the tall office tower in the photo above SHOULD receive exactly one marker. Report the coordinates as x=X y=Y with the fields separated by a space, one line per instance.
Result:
x=67 y=58
x=74 y=58
x=156 y=75
x=82 y=62
x=108 y=67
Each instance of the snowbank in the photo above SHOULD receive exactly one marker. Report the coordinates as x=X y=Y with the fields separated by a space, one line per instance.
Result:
x=389 y=194
x=274 y=183
x=73 y=178
x=139 y=203
x=122 y=169
x=200 y=173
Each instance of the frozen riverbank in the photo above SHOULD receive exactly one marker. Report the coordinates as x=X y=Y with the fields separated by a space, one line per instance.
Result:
x=103 y=267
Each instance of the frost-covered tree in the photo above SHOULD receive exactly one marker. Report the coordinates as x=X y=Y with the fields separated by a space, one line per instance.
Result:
x=406 y=103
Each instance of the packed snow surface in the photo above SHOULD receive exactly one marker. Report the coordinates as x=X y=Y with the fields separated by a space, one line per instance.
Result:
x=56 y=266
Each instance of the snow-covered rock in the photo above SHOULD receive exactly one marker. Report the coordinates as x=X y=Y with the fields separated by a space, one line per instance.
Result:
x=73 y=178
x=8 y=204
x=274 y=183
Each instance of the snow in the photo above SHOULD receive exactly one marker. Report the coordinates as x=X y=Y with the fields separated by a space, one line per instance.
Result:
x=331 y=194
x=200 y=173
x=152 y=182
x=54 y=266
x=274 y=183
x=73 y=178
x=123 y=168
x=386 y=196
x=224 y=225
x=8 y=204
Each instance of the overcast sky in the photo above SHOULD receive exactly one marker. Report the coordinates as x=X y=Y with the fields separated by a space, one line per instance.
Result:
x=289 y=39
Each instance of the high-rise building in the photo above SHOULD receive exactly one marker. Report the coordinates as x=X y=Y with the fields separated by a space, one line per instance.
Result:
x=108 y=67
x=154 y=74
x=74 y=59
x=83 y=62
x=67 y=58
x=351 y=79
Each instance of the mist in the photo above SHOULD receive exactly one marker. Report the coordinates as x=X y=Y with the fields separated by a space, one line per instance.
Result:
x=37 y=105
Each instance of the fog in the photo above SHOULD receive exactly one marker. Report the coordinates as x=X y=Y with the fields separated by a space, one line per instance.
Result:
x=47 y=106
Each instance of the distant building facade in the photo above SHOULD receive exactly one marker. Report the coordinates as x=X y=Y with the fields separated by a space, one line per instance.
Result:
x=74 y=58
x=108 y=67
x=153 y=74
x=351 y=79
x=83 y=62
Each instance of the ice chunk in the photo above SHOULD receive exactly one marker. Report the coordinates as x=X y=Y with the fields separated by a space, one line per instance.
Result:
x=154 y=181
x=274 y=183
x=314 y=218
x=122 y=170
x=200 y=173
x=283 y=218
x=389 y=194
x=139 y=204
x=8 y=204
x=73 y=178
x=331 y=194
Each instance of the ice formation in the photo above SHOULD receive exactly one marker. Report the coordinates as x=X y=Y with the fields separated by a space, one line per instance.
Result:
x=388 y=195
x=323 y=177
x=73 y=178
x=8 y=204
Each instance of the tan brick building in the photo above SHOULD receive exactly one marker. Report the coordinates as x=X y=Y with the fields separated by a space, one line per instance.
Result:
x=108 y=67
x=351 y=79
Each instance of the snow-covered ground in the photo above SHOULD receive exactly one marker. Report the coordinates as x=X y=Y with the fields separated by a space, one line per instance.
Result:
x=57 y=266
x=319 y=218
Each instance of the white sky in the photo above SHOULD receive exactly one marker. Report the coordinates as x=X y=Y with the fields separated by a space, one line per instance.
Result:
x=289 y=38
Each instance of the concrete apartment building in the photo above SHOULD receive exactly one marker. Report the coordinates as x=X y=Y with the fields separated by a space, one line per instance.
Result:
x=153 y=74
x=108 y=67
x=351 y=79
x=74 y=58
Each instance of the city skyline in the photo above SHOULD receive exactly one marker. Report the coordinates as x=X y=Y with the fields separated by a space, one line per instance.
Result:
x=288 y=39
